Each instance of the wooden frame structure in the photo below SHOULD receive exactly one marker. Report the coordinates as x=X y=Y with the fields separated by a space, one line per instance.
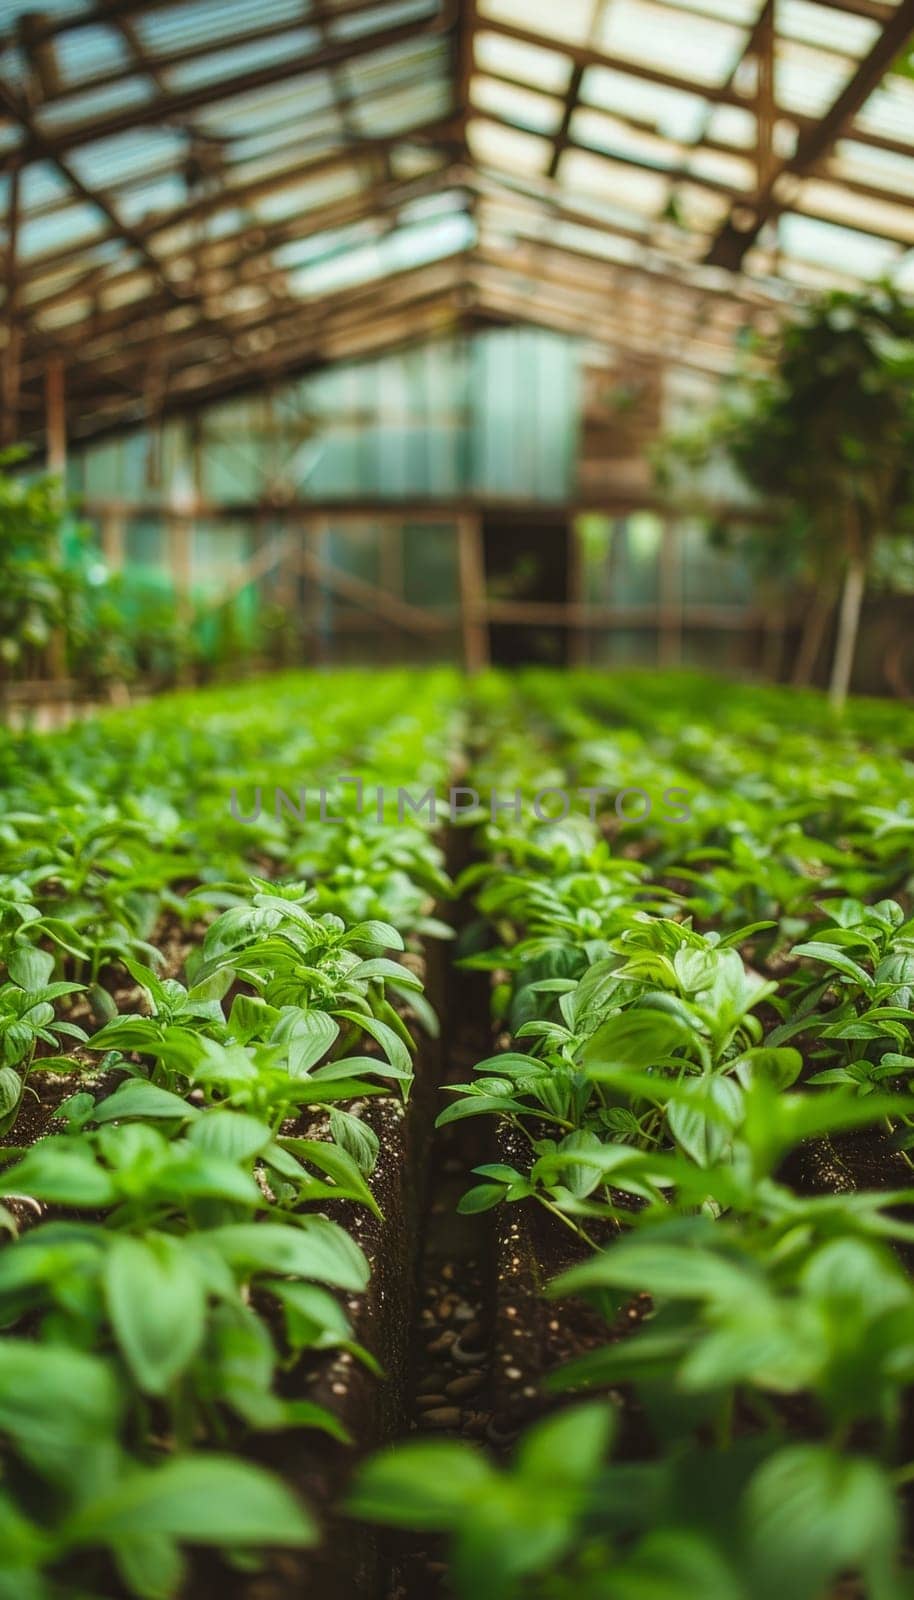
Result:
x=380 y=611
x=192 y=208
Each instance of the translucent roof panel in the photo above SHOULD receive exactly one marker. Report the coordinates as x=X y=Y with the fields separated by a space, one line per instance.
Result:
x=192 y=186
x=672 y=39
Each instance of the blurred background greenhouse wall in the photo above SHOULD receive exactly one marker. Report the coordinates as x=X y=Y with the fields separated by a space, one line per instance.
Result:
x=376 y=328
x=379 y=468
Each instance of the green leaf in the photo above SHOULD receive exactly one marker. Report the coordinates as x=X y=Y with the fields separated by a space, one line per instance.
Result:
x=835 y=958
x=391 y=1043
x=204 y=1499
x=157 y=1304
x=781 y=1067
x=56 y=1404
x=234 y=1135
x=62 y=1173
x=814 y=1515
x=11 y=1087
x=136 y=1098
x=380 y=967
x=375 y=936
x=477 y=1105
x=337 y=1164
x=147 y=980
x=482 y=1197
x=313 y=1248
x=426 y=1484
x=677 y=1271
x=572 y=1445
x=353 y=1134
x=30 y=967
x=636 y=1038
x=251 y=1015
x=703 y=1117
x=309 y=1035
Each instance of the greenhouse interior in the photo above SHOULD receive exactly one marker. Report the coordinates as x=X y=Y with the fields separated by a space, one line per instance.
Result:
x=457 y=800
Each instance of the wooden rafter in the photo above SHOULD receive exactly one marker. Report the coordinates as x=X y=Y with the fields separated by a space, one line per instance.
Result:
x=203 y=288
x=179 y=103
x=736 y=238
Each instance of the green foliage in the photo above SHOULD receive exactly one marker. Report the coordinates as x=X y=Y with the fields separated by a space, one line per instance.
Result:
x=690 y=1003
x=181 y=1258
x=823 y=428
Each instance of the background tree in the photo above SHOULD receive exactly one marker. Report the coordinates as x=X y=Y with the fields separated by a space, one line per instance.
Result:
x=824 y=432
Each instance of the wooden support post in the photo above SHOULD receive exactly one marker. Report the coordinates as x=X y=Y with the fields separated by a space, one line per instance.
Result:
x=315 y=533
x=9 y=415
x=195 y=441
x=765 y=110
x=414 y=619
x=771 y=597
x=392 y=573
x=578 y=638
x=285 y=596
x=55 y=416
x=56 y=460
x=669 y=599
x=180 y=552
x=474 y=621
x=112 y=531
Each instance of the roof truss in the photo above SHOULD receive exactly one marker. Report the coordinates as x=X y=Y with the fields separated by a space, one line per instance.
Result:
x=200 y=194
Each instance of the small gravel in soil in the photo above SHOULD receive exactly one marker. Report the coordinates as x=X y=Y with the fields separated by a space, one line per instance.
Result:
x=441 y=1417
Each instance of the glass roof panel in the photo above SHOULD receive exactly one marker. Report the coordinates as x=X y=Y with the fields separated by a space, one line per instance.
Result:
x=741 y=12
x=732 y=125
x=890 y=110
x=824 y=243
x=630 y=121
x=526 y=63
x=569 y=20
x=384 y=16
x=146 y=199
x=612 y=137
x=74 y=224
x=695 y=47
x=807 y=81
x=174 y=27
x=858 y=210
x=642 y=193
x=242 y=58
x=904 y=274
x=538 y=112
x=40 y=183
x=127 y=155
x=87 y=51
x=717 y=167
x=675 y=113
x=301 y=198
x=885 y=168
x=826 y=27
x=398 y=251
x=84 y=107
x=502 y=147
x=701 y=209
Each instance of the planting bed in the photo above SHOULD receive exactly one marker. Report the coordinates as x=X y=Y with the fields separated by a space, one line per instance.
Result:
x=634 y=1319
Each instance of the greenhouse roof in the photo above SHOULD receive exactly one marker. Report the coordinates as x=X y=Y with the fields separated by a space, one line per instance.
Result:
x=204 y=193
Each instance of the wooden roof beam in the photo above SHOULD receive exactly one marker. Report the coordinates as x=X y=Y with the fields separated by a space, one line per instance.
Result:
x=256 y=242
x=376 y=329
x=739 y=197
x=112 y=14
x=165 y=108
x=214 y=344
x=734 y=239
x=239 y=196
x=93 y=197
